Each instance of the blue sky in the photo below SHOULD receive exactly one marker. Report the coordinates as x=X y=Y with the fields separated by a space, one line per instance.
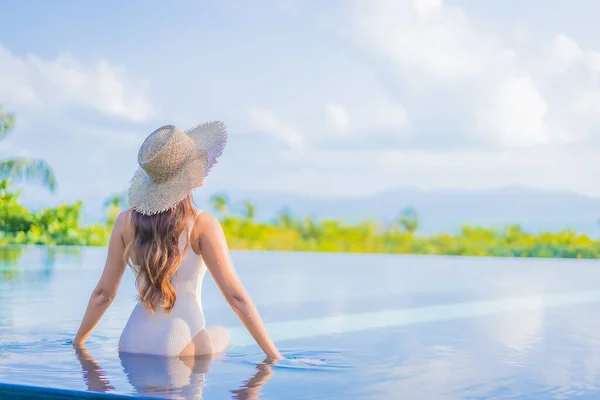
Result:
x=322 y=98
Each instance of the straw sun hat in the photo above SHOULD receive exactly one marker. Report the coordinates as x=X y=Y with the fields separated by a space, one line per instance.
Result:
x=173 y=163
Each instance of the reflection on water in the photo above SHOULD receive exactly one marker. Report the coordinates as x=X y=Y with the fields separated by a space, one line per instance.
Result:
x=546 y=351
x=161 y=376
x=251 y=388
x=172 y=377
x=11 y=264
x=9 y=257
x=94 y=377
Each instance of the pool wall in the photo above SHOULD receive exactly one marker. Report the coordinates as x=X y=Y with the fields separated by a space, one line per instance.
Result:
x=23 y=392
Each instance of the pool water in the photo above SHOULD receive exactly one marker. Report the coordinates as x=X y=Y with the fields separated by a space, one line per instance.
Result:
x=351 y=326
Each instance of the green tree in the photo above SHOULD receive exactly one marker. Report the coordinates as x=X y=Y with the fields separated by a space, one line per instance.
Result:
x=113 y=206
x=310 y=229
x=409 y=220
x=23 y=168
x=60 y=225
x=14 y=217
x=250 y=211
x=220 y=203
x=285 y=218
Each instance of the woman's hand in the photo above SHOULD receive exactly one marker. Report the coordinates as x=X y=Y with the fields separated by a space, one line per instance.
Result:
x=273 y=358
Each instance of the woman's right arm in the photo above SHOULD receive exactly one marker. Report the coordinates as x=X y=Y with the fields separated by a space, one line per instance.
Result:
x=214 y=249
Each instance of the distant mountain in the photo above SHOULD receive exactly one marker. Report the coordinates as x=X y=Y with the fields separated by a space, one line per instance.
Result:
x=439 y=210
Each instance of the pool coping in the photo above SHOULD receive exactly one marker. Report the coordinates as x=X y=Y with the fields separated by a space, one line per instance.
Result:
x=10 y=391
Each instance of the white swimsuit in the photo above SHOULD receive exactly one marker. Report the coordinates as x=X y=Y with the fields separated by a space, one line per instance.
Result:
x=168 y=334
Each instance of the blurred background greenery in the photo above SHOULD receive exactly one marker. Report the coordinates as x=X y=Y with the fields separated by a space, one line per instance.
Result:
x=62 y=225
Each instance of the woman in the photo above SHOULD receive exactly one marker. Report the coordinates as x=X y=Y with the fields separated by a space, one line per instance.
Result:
x=170 y=245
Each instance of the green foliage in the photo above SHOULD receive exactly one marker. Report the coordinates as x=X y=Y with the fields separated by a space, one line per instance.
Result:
x=7 y=122
x=23 y=168
x=220 y=203
x=9 y=257
x=250 y=211
x=409 y=220
x=309 y=234
x=112 y=207
x=61 y=226
x=285 y=219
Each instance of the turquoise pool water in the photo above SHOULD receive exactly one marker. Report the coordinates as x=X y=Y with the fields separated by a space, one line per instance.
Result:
x=352 y=326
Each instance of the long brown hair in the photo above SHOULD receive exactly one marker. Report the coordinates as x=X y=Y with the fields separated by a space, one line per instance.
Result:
x=155 y=249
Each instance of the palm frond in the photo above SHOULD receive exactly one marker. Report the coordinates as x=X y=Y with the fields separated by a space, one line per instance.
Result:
x=7 y=122
x=28 y=169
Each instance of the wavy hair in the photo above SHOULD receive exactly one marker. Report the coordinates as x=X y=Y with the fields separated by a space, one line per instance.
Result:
x=155 y=250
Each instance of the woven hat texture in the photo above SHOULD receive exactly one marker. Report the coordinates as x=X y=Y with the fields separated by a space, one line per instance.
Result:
x=172 y=163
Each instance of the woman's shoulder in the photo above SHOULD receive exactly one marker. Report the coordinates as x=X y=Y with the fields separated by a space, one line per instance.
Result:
x=206 y=226
x=206 y=221
x=123 y=224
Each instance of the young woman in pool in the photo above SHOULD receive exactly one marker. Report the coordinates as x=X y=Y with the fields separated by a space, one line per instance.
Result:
x=170 y=245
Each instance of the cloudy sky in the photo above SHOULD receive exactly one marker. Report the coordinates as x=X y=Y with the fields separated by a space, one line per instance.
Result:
x=340 y=97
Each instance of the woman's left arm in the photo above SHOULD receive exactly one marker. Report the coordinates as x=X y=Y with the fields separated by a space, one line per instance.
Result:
x=107 y=286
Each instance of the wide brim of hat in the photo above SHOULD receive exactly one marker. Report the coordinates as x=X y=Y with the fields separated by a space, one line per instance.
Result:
x=149 y=198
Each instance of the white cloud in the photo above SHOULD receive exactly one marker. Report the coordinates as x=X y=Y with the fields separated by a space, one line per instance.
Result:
x=129 y=141
x=50 y=84
x=337 y=118
x=391 y=116
x=377 y=116
x=425 y=7
x=516 y=116
x=440 y=45
x=565 y=52
x=592 y=61
x=265 y=121
x=548 y=92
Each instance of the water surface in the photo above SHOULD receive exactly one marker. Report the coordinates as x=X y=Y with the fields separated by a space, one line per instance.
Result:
x=352 y=326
